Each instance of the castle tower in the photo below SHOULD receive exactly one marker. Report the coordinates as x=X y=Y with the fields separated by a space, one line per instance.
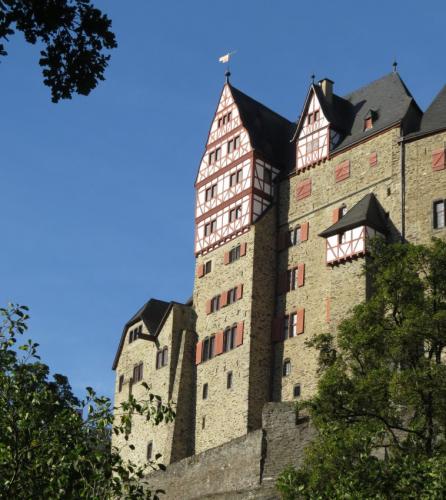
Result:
x=248 y=145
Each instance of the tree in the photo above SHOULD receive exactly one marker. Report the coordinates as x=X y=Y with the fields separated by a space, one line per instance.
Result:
x=380 y=409
x=51 y=444
x=75 y=35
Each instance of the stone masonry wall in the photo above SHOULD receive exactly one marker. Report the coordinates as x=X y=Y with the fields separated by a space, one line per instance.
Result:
x=244 y=468
x=178 y=336
x=329 y=292
x=423 y=187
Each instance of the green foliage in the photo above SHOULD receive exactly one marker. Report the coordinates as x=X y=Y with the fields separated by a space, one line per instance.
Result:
x=74 y=34
x=51 y=444
x=380 y=409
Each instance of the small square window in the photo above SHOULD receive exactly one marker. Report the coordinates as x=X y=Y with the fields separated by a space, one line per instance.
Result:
x=229 y=380
x=205 y=391
x=296 y=391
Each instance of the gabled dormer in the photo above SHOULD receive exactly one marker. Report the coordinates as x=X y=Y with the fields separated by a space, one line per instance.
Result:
x=347 y=238
x=317 y=131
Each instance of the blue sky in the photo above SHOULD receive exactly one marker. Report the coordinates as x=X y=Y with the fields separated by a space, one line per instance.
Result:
x=97 y=192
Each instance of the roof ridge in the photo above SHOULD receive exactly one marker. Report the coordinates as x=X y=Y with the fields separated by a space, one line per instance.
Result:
x=387 y=75
x=260 y=103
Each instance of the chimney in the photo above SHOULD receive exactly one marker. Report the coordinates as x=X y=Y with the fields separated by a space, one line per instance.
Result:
x=327 y=89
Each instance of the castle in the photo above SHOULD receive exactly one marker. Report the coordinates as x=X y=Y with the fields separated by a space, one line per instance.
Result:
x=284 y=213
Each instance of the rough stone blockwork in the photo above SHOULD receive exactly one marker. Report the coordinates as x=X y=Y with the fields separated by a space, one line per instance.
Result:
x=244 y=468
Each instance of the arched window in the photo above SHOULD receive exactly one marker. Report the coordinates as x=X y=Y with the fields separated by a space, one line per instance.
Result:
x=286 y=368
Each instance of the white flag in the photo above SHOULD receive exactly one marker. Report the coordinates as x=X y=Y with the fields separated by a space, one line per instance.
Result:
x=225 y=58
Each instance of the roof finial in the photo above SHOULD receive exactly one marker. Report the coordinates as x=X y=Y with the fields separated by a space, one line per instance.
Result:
x=225 y=60
x=395 y=65
x=313 y=76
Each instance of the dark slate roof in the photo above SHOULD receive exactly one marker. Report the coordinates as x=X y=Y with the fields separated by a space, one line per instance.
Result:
x=152 y=314
x=367 y=212
x=434 y=117
x=387 y=98
x=270 y=133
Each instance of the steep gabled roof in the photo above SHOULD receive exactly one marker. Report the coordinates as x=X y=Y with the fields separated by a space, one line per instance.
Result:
x=269 y=132
x=434 y=117
x=367 y=212
x=151 y=314
x=388 y=97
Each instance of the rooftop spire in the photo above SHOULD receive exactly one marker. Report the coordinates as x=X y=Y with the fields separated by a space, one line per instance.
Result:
x=227 y=74
x=225 y=60
x=395 y=65
x=313 y=76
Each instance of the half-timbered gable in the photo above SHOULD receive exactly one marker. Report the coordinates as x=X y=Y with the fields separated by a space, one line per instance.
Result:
x=247 y=146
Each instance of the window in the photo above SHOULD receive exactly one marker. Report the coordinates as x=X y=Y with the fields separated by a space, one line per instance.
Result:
x=343 y=211
x=162 y=357
x=229 y=380
x=439 y=214
x=294 y=236
x=234 y=253
x=224 y=119
x=292 y=279
x=215 y=303
x=214 y=156
x=236 y=142
x=203 y=422
x=235 y=178
x=135 y=333
x=368 y=123
x=208 y=267
x=296 y=391
x=312 y=145
x=137 y=373
x=149 y=450
x=229 y=338
x=121 y=382
x=232 y=295
x=208 y=348
x=316 y=115
x=210 y=227
x=286 y=368
x=211 y=192
x=235 y=214
x=233 y=144
x=220 y=121
x=205 y=391
x=290 y=326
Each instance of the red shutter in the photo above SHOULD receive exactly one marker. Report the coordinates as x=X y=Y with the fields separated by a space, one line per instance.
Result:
x=373 y=159
x=277 y=333
x=342 y=171
x=239 y=334
x=224 y=299
x=208 y=307
x=219 y=342
x=336 y=215
x=300 y=275
x=282 y=285
x=304 y=231
x=243 y=249
x=438 y=162
x=300 y=321
x=327 y=309
x=303 y=189
x=226 y=258
x=200 y=270
x=198 y=352
x=239 y=293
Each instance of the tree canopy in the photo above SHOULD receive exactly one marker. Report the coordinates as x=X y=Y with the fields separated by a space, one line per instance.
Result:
x=380 y=408
x=75 y=37
x=53 y=445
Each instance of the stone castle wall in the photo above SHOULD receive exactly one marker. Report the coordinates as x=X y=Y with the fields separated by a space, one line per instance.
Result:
x=244 y=468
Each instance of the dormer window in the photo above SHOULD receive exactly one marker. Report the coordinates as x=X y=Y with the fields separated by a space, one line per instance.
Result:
x=369 y=119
